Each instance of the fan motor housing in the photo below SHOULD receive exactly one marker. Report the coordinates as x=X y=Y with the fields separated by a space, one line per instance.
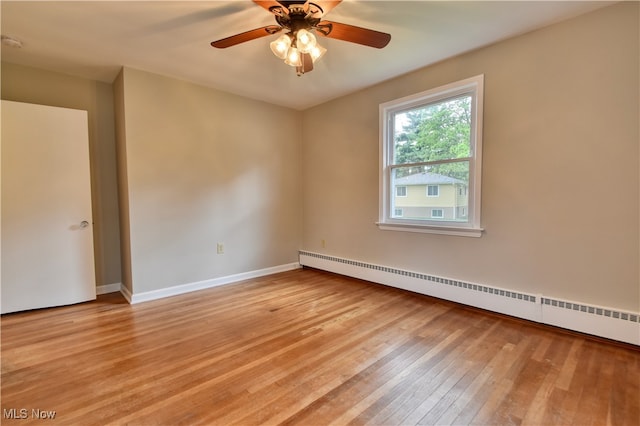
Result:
x=298 y=16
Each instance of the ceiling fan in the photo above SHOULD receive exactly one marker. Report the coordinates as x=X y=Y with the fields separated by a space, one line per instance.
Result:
x=298 y=46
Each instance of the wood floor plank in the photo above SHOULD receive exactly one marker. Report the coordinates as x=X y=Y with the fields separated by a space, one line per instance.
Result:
x=441 y=403
x=414 y=400
x=312 y=371
x=495 y=387
x=306 y=347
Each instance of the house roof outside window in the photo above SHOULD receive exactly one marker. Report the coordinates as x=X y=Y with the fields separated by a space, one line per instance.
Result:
x=426 y=178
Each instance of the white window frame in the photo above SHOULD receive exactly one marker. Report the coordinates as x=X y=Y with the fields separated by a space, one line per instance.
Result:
x=473 y=86
x=437 y=210
x=437 y=190
x=405 y=191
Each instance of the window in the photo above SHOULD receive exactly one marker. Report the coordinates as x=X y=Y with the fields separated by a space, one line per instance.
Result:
x=433 y=140
x=398 y=213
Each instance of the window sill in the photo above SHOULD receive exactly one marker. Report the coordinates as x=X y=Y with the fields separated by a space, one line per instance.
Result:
x=431 y=229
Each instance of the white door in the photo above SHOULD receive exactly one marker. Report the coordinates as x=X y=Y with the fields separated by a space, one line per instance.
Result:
x=46 y=232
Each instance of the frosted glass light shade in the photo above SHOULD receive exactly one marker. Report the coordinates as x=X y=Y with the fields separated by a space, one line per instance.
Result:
x=317 y=52
x=305 y=41
x=281 y=46
x=293 y=57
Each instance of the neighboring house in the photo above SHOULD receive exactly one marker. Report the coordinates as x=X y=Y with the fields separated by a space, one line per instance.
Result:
x=430 y=196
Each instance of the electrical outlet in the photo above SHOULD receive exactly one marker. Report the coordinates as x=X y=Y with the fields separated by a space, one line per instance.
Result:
x=220 y=248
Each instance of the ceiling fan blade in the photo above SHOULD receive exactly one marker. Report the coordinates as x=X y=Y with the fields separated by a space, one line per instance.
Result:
x=325 y=5
x=273 y=6
x=353 y=34
x=246 y=36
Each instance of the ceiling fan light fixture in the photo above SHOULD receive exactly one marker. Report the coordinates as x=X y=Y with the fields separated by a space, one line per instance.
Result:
x=293 y=57
x=305 y=41
x=281 y=46
x=301 y=20
x=317 y=52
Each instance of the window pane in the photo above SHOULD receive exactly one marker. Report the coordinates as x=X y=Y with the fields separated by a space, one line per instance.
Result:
x=438 y=131
x=438 y=192
x=430 y=164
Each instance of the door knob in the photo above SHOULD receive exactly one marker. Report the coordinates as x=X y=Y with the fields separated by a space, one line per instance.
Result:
x=84 y=224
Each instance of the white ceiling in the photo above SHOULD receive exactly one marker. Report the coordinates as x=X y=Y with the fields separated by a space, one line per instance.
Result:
x=94 y=39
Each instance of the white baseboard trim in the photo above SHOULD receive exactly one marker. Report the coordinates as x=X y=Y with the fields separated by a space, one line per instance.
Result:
x=108 y=288
x=146 y=296
x=600 y=321
x=126 y=293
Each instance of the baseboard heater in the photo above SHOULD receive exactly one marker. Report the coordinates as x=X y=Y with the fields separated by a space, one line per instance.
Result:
x=600 y=321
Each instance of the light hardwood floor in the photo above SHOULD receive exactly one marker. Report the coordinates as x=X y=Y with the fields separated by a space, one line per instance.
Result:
x=310 y=348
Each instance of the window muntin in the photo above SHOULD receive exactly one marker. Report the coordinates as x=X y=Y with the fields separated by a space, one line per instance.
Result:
x=437 y=213
x=431 y=143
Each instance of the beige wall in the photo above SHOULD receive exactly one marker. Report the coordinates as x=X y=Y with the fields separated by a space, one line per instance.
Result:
x=30 y=85
x=123 y=194
x=560 y=126
x=204 y=167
